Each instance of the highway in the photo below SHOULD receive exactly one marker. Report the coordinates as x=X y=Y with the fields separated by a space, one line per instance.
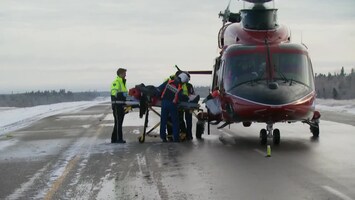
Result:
x=69 y=156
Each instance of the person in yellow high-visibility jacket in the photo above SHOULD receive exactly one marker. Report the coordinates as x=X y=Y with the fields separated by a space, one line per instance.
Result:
x=187 y=127
x=118 y=96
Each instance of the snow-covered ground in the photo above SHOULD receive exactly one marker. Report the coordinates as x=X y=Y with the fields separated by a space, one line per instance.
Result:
x=347 y=106
x=12 y=119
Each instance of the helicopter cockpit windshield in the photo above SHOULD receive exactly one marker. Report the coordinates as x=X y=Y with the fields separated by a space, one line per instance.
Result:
x=243 y=69
x=291 y=67
x=251 y=69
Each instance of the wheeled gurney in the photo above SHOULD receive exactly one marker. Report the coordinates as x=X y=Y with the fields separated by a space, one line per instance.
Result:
x=149 y=100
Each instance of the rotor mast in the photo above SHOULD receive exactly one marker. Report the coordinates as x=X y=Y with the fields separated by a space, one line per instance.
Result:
x=228 y=16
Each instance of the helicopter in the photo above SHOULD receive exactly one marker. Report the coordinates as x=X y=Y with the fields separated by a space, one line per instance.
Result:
x=260 y=76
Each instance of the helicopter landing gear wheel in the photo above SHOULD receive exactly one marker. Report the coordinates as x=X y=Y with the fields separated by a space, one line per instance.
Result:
x=269 y=132
x=313 y=126
x=276 y=136
x=315 y=130
x=263 y=137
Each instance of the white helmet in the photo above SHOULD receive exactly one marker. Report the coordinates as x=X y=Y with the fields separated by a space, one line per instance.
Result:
x=184 y=78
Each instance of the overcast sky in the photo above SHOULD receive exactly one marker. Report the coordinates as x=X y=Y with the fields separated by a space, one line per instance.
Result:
x=78 y=45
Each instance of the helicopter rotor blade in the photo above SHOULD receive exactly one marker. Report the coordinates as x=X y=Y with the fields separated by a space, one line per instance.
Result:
x=228 y=5
x=195 y=72
x=200 y=72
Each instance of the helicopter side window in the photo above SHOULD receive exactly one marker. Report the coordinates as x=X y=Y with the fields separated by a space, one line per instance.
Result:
x=219 y=74
x=215 y=71
x=311 y=78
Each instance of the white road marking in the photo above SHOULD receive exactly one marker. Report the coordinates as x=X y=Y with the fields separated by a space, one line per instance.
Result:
x=106 y=124
x=20 y=192
x=78 y=117
x=336 y=192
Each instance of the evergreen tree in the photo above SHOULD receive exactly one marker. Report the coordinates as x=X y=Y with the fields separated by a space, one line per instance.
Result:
x=342 y=71
x=329 y=75
x=335 y=93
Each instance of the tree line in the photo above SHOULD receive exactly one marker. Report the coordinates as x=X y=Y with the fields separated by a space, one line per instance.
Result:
x=331 y=86
x=336 y=86
x=35 y=98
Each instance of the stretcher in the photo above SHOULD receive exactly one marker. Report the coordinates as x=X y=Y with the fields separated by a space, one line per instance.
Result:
x=150 y=101
x=191 y=107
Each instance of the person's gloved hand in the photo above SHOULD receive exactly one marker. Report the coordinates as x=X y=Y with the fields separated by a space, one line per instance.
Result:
x=127 y=109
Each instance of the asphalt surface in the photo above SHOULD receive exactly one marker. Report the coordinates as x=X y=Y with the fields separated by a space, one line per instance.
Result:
x=69 y=156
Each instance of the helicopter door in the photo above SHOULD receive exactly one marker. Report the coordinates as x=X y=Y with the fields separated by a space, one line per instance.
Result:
x=220 y=75
x=215 y=72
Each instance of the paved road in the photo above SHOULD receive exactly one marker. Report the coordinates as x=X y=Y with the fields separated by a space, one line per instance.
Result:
x=69 y=156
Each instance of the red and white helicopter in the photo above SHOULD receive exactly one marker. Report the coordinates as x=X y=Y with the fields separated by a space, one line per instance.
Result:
x=260 y=76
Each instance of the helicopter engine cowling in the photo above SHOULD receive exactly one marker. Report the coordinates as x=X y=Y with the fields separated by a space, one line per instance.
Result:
x=235 y=34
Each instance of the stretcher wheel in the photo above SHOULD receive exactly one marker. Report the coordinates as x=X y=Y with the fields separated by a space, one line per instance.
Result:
x=200 y=128
x=182 y=136
x=169 y=137
x=315 y=131
x=141 y=139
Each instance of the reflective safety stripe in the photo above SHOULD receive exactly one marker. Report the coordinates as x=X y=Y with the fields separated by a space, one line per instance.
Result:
x=173 y=89
x=163 y=93
x=184 y=85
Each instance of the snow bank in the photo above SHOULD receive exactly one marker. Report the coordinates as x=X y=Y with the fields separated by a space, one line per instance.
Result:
x=336 y=105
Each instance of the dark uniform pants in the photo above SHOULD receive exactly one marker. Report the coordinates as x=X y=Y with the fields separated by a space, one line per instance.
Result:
x=188 y=118
x=118 y=114
x=169 y=108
